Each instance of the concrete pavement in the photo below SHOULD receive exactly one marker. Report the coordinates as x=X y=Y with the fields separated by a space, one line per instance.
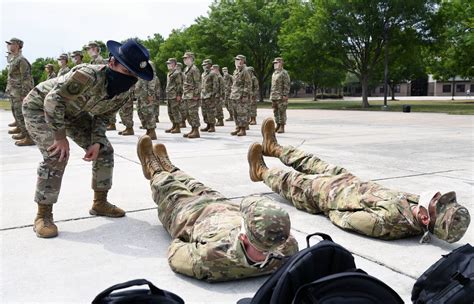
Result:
x=414 y=152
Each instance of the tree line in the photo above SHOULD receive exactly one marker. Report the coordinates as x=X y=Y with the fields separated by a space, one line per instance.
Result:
x=324 y=42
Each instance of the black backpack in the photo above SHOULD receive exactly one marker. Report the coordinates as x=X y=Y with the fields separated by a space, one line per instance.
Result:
x=449 y=280
x=136 y=296
x=321 y=268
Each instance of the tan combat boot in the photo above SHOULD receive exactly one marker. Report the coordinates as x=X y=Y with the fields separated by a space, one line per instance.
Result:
x=102 y=207
x=44 y=226
x=162 y=155
x=176 y=129
x=194 y=133
x=183 y=124
x=12 y=124
x=253 y=121
x=242 y=132
x=26 y=141
x=211 y=128
x=127 y=131
x=257 y=166
x=220 y=123
x=150 y=163
x=281 y=129
x=277 y=127
x=270 y=144
x=18 y=136
x=111 y=127
x=151 y=133
x=233 y=133
x=231 y=118
x=172 y=127
x=15 y=130
x=206 y=128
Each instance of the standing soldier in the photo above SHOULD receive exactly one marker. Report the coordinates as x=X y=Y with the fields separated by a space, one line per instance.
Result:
x=49 y=69
x=227 y=90
x=145 y=94
x=182 y=105
x=19 y=83
x=156 y=108
x=191 y=94
x=63 y=68
x=126 y=114
x=253 y=99
x=69 y=106
x=279 y=93
x=174 y=90
x=240 y=94
x=93 y=50
x=76 y=57
x=220 y=97
x=209 y=90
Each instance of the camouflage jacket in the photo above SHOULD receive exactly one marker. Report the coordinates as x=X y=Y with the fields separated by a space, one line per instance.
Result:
x=51 y=76
x=174 y=84
x=20 y=80
x=98 y=60
x=280 y=85
x=255 y=87
x=82 y=91
x=209 y=85
x=221 y=91
x=212 y=250
x=228 y=85
x=143 y=89
x=63 y=71
x=157 y=82
x=191 y=83
x=241 y=84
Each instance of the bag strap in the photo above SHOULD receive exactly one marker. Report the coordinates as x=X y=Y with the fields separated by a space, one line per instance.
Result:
x=154 y=290
x=324 y=236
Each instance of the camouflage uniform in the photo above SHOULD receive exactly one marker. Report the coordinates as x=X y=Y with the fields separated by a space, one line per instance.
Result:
x=19 y=83
x=75 y=105
x=145 y=108
x=240 y=94
x=205 y=227
x=228 y=87
x=192 y=89
x=364 y=207
x=98 y=60
x=126 y=111
x=63 y=71
x=209 y=91
x=174 y=88
x=280 y=89
x=220 y=97
x=253 y=99
x=182 y=105
x=157 y=97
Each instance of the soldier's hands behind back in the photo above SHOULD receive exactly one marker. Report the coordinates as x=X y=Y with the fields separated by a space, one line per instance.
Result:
x=60 y=147
x=92 y=152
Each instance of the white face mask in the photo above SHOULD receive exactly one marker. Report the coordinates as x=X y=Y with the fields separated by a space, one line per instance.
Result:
x=60 y=62
x=188 y=61
x=74 y=60
x=237 y=64
x=170 y=66
x=92 y=53
x=276 y=66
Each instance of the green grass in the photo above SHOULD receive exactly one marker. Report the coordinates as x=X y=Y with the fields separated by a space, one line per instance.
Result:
x=465 y=107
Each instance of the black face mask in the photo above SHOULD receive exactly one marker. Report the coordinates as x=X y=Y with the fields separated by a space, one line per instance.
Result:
x=117 y=82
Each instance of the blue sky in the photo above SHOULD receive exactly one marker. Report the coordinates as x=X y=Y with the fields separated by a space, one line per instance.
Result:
x=51 y=27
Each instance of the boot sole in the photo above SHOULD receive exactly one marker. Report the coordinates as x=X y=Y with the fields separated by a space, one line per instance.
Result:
x=93 y=212
x=45 y=236
x=145 y=172
x=268 y=123
x=253 y=178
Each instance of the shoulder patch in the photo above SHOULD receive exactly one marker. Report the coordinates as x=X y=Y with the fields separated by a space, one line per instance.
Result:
x=81 y=77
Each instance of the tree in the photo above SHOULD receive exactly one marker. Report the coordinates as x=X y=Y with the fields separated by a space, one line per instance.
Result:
x=451 y=50
x=360 y=29
x=3 y=79
x=37 y=69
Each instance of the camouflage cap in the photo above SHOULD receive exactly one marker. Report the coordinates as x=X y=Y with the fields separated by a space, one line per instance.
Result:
x=179 y=64
x=267 y=226
x=215 y=66
x=49 y=65
x=240 y=57
x=278 y=59
x=92 y=44
x=170 y=60
x=225 y=69
x=63 y=57
x=188 y=54
x=207 y=62
x=452 y=219
x=15 y=41
x=77 y=53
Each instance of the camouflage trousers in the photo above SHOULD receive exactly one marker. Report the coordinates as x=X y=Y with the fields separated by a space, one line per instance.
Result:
x=229 y=106
x=208 y=109
x=279 y=111
x=16 y=106
x=183 y=109
x=157 y=108
x=253 y=107
x=192 y=114
x=174 y=111
x=219 y=109
x=146 y=113
x=126 y=114
x=50 y=170
x=364 y=207
x=241 y=112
